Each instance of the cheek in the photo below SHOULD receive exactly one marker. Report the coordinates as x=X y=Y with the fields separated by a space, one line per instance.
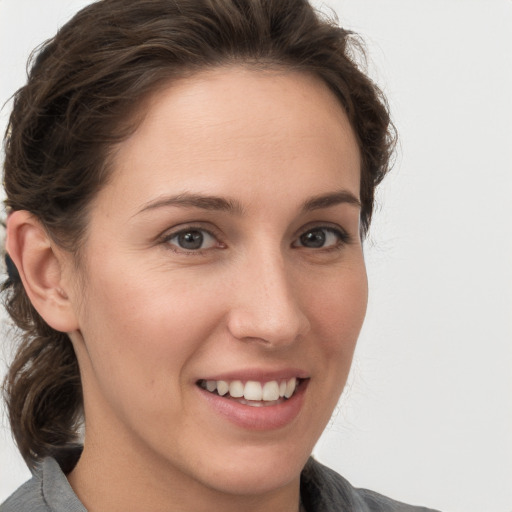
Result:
x=339 y=309
x=148 y=324
x=140 y=340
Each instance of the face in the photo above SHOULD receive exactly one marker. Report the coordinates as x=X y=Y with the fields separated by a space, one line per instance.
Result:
x=225 y=281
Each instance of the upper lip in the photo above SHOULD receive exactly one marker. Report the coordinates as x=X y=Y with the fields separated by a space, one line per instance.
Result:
x=258 y=375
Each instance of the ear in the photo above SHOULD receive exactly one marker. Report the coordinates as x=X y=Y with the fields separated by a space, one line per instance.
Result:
x=40 y=266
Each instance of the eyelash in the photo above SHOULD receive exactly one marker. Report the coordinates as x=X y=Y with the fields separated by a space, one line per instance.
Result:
x=343 y=239
x=166 y=239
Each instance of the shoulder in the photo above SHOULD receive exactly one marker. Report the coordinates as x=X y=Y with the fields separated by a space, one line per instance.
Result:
x=28 y=497
x=324 y=490
x=47 y=491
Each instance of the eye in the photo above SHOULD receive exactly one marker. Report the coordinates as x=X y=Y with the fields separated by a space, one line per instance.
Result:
x=322 y=238
x=192 y=239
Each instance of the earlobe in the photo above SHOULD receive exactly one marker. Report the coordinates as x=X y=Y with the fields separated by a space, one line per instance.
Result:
x=40 y=266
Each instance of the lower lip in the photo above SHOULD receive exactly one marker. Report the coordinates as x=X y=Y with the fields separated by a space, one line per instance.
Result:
x=268 y=417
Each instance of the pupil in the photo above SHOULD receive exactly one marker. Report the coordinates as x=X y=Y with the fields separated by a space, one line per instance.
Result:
x=191 y=240
x=313 y=238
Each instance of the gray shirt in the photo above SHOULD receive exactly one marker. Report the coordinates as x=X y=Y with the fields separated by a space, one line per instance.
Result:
x=322 y=490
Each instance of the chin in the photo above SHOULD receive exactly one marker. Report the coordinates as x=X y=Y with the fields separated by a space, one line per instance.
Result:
x=258 y=476
x=243 y=470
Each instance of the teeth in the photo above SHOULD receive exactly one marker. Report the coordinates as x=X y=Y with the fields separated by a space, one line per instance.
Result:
x=253 y=391
x=290 y=387
x=236 y=389
x=222 y=387
x=271 y=391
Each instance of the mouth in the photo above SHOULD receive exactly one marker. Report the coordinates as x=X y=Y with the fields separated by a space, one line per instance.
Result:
x=253 y=393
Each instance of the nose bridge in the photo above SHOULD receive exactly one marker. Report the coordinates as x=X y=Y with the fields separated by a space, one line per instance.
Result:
x=267 y=306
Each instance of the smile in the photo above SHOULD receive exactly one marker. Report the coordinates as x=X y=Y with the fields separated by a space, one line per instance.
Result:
x=253 y=393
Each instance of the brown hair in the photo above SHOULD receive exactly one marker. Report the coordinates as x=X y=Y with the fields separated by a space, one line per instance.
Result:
x=83 y=90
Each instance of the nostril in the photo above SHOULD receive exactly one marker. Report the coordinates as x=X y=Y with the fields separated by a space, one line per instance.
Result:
x=265 y=304
x=280 y=326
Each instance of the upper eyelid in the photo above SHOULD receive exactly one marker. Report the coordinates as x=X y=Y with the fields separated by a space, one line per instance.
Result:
x=169 y=235
x=343 y=235
x=330 y=226
x=193 y=226
x=215 y=232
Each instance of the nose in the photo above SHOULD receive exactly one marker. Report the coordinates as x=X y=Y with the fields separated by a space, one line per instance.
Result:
x=266 y=304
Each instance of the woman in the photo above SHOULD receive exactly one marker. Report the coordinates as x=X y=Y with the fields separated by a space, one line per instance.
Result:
x=189 y=184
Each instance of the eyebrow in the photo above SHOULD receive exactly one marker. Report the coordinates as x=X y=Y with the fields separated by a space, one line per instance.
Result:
x=204 y=202
x=215 y=203
x=331 y=199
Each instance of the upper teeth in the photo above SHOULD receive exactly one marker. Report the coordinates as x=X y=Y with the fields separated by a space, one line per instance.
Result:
x=253 y=390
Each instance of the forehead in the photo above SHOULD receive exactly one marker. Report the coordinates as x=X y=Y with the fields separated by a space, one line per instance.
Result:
x=223 y=126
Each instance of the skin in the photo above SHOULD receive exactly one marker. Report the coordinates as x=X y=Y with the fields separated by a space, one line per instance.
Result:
x=149 y=318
